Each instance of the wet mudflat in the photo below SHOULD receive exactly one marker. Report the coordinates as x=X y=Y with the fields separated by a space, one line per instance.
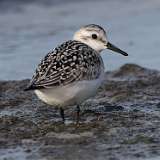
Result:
x=128 y=105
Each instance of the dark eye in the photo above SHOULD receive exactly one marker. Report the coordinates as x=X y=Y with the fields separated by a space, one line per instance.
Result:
x=94 y=36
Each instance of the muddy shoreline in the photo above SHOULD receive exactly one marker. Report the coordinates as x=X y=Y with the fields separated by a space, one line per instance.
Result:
x=129 y=128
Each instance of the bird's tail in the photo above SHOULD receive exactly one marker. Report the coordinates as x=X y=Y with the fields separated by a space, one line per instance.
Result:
x=29 y=88
x=33 y=87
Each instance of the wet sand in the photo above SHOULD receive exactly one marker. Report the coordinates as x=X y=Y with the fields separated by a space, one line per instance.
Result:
x=129 y=127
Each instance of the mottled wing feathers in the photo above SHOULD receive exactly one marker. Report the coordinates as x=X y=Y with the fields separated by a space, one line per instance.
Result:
x=72 y=61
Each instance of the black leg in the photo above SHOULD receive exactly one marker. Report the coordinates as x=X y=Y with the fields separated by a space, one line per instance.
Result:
x=62 y=114
x=77 y=114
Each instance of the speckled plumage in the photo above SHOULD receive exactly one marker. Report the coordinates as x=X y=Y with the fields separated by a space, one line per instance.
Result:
x=73 y=71
x=71 y=61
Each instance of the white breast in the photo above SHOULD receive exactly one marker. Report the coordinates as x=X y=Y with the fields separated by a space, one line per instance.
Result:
x=71 y=94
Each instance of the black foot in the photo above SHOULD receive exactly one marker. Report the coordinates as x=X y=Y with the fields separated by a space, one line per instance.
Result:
x=77 y=114
x=62 y=115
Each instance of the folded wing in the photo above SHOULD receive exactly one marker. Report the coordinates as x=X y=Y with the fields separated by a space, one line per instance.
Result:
x=70 y=62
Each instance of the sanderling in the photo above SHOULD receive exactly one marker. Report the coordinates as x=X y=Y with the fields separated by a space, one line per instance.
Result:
x=74 y=70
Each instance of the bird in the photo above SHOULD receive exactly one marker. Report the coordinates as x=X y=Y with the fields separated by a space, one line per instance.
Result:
x=73 y=71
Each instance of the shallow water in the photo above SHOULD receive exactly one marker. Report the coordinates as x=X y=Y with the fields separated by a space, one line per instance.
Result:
x=28 y=31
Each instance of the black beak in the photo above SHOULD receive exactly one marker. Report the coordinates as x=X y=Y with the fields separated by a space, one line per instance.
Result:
x=115 y=49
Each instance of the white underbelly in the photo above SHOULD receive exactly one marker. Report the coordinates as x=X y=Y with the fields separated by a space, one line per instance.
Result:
x=71 y=94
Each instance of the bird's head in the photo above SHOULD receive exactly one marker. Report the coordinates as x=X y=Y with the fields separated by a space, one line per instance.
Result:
x=95 y=36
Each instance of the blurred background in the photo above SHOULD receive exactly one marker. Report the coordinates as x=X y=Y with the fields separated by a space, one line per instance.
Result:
x=30 y=29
